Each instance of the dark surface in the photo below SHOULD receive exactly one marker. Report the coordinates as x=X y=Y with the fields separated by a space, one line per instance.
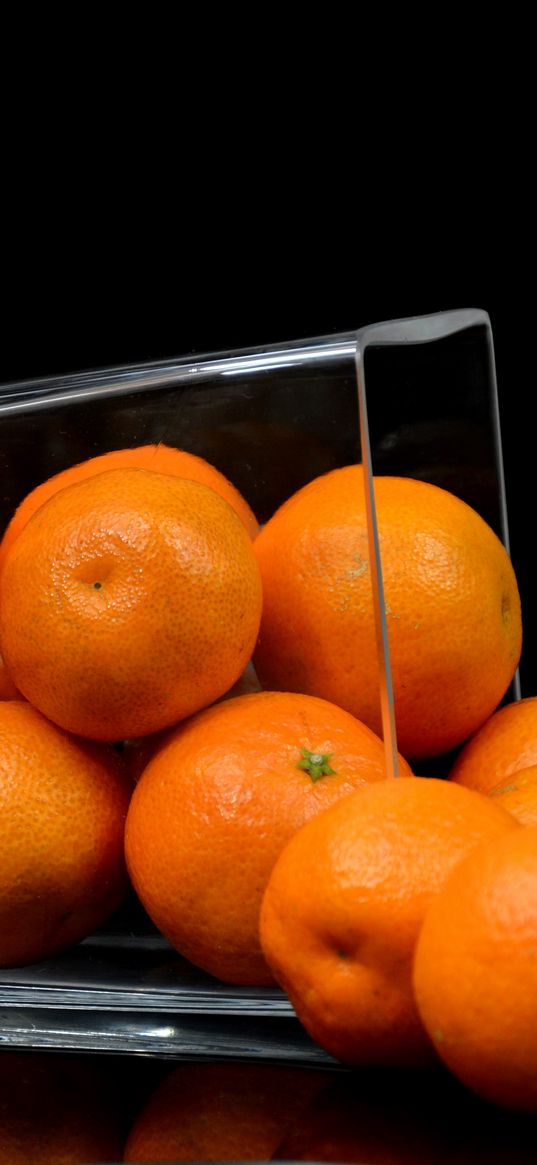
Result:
x=264 y=1111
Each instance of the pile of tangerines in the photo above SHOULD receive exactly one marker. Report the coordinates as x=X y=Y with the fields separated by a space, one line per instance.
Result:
x=191 y=708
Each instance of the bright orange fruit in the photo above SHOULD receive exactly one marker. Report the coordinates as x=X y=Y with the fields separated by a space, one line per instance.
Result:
x=130 y=600
x=216 y=805
x=475 y=975
x=63 y=804
x=158 y=458
x=505 y=743
x=452 y=601
x=345 y=903
x=518 y=794
x=8 y=691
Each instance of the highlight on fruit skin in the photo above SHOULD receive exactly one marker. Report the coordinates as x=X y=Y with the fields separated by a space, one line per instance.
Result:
x=452 y=603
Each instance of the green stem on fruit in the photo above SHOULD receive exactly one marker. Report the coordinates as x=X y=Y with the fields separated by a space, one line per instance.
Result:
x=316 y=764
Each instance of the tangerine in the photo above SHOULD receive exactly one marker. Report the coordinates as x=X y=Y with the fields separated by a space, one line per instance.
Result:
x=158 y=458
x=129 y=601
x=441 y=565
x=475 y=974
x=506 y=743
x=345 y=902
x=63 y=804
x=217 y=803
x=518 y=794
x=8 y=691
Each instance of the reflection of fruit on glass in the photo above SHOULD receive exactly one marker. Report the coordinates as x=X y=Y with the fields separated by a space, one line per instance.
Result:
x=217 y=803
x=344 y=906
x=221 y=1112
x=505 y=743
x=518 y=794
x=129 y=600
x=475 y=974
x=392 y=1117
x=453 y=608
x=63 y=804
x=58 y=1110
x=158 y=458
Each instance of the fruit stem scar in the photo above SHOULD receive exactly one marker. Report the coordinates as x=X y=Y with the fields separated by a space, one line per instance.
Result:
x=97 y=586
x=316 y=764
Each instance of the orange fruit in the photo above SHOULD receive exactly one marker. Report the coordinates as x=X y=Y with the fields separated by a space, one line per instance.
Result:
x=475 y=975
x=158 y=458
x=452 y=601
x=8 y=691
x=221 y=1112
x=518 y=794
x=63 y=804
x=136 y=754
x=129 y=601
x=218 y=802
x=57 y=1109
x=505 y=743
x=345 y=902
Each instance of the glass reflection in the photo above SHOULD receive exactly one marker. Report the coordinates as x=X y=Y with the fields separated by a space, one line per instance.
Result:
x=58 y=1109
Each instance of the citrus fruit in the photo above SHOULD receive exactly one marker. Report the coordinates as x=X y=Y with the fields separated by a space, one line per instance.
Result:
x=136 y=754
x=505 y=743
x=452 y=603
x=130 y=600
x=63 y=804
x=8 y=691
x=158 y=458
x=215 y=806
x=57 y=1110
x=475 y=975
x=345 y=902
x=518 y=794
x=221 y=1112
